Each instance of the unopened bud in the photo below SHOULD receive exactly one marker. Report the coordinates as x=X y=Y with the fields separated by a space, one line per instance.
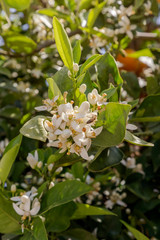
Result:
x=13 y=188
x=51 y=185
x=50 y=167
x=39 y=164
x=59 y=170
x=75 y=67
x=82 y=88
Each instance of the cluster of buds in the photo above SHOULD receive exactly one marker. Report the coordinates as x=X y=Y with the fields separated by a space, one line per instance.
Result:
x=26 y=205
x=72 y=127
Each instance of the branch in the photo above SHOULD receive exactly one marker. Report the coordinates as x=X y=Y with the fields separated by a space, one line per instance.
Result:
x=40 y=46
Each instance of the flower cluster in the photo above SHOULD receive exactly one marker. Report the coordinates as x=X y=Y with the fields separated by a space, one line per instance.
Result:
x=26 y=205
x=72 y=127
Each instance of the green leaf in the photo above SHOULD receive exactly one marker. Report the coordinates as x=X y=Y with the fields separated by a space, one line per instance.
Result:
x=63 y=44
x=63 y=82
x=9 y=219
x=85 y=4
x=107 y=158
x=50 y=12
x=154 y=7
x=19 y=5
x=106 y=68
x=58 y=218
x=53 y=89
x=9 y=157
x=20 y=43
x=144 y=52
x=131 y=84
x=110 y=91
x=34 y=128
x=39 y=231
x=84 y=210
x=93 y=14
x=77 y=52
x=55 y=156
x=64 y=192
x=138 y=3
x=114 y=120
x=89 y=62
x=129 y=137
x=5 y=71
x=5 y=8
x=149 y=110
x=10 y=112
x=77 y=170
x=79 y=234
x=138 y=235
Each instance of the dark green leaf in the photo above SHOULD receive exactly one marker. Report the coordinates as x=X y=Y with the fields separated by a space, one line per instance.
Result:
x=64 y=192
x=79 y=234
x=77 y=52
x=39 y=231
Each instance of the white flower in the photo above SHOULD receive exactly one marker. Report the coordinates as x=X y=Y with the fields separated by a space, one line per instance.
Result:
x=3 y=145
x=126 y=27
x=82 y=88
x=26 y=205
x=33 y=159
x=93 y=97
x=129 y=163
x=147 y=7
x=116 y=198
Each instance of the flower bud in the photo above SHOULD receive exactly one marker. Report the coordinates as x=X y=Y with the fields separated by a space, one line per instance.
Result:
x=82 y=88
x=75 y=67
x=39 y=164
x=13 y=188
x=51 y=185
x=50 y=166
x=59 y=170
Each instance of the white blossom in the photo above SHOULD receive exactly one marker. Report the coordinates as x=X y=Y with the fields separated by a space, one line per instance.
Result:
x=33 y=159
x=82 y=88
x=126 y=27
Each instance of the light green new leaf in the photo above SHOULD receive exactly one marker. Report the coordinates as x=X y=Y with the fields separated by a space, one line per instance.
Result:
x=20 y=43
x=63 y=44
x=9 y=219
x=77 y=52
x=93 y=14
x=138 y=235
x=84 y=210
x=53 y=89
x=9 y=157
x=129 y=137
x=144 y=52
x=114 y=120
x=89 y=62
x=34 y=128
x=39 y=231
x=64 y=192
x=18 y=4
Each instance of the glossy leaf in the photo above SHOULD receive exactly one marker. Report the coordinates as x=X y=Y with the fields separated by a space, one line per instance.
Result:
x=84 y=210
x=79 y=234
x=77 y=52
x=63 y=82
x=114 y=120
x=9 y=157
x=58 y=218
x=39 y=231
x=9 y=219
x=53 y=89
x=64 y=192
x=144 y=52
x=129 y=137
x=77 y=170
x=20 y=43
x=106 y=67
x=138 y=235
x=110 y=91
x=93 y=14
x=34 y=128
x=50 y=12
x=107 y=158
x=19 y=5
x=63 y=44
x=149 y=110
x=89 y=62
